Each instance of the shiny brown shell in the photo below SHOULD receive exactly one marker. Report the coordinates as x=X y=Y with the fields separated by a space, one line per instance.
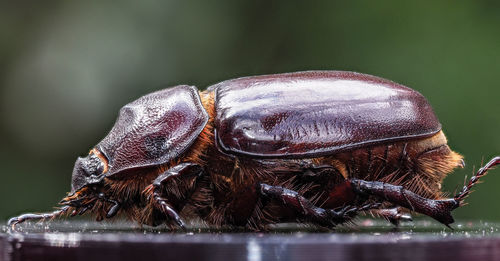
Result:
x=314 y=113
x=154 y=129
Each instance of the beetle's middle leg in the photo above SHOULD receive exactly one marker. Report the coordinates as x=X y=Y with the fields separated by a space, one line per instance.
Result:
x=439 y=209
x=306 y=209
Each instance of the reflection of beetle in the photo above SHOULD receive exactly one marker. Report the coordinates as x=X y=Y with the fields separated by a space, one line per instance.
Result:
x=314 y=147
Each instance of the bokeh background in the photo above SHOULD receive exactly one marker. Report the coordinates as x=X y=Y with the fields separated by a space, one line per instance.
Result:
x=66 y=67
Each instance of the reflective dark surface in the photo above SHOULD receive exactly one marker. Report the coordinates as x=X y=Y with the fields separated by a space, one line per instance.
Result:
x=368 y=240
x=314 y=113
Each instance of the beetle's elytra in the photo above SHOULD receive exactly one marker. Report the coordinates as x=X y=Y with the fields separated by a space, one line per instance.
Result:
x=316 y=147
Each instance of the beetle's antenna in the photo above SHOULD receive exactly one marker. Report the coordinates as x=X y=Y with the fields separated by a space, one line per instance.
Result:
x=466 y=190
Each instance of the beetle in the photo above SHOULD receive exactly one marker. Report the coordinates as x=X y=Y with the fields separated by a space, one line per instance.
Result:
x=316 y=147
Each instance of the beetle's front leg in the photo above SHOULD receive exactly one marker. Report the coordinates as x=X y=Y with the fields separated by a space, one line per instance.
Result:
x=25 y=217
x=184 y=171
x=115 y=205
x=311 y=213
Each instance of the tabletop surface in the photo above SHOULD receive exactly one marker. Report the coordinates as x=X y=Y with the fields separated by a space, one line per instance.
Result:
x=366 y=240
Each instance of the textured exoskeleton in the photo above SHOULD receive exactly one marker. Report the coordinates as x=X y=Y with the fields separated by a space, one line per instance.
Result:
x=316 y=147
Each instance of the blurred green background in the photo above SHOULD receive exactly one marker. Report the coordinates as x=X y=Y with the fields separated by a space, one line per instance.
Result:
x=67 y=67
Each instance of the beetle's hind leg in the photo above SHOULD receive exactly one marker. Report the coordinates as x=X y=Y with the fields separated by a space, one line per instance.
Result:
x=42 y=216
x=306 y=210
x=439 y=209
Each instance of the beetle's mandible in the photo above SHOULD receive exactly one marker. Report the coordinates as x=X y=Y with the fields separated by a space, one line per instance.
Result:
x=317 y=147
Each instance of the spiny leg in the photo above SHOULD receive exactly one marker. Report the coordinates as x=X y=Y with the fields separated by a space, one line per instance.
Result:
x=167 y=209
x=304 y=207
x=42 y=216
x=185 y=171
x=82 y=204
x=74 y=203
x=438 y=209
